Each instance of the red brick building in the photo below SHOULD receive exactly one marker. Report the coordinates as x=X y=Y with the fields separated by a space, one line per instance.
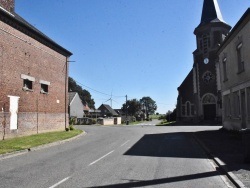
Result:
x=33 y=77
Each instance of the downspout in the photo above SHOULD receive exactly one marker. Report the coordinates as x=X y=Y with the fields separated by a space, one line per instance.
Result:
x=66 y=81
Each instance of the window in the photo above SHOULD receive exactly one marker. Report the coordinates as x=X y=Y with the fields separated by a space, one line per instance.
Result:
x=44 y=86
x=188 y=108
x=208 y=77
x=236 y=105
x=248 y=102
x=206 y=42
x=27 y=82
x=240 y=58
x=217 y=38
x=224 y=64
x=227 y=106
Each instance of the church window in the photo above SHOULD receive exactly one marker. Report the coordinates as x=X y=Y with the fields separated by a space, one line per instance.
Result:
x=224 y=64
x=188 y=108
x=206 y=42
x=208 y=77
x=217 y=38
x=240 y=58
x=209 y=99
x=201 y=45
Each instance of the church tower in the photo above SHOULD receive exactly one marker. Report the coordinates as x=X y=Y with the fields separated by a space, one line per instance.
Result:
x=8 y=5
x=201 y=100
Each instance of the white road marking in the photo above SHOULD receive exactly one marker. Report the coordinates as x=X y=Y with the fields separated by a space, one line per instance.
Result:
x=60 y=182
x=124 y=143
x=101 y=158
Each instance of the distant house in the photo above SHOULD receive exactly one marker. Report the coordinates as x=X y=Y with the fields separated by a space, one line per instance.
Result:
x=120 y=112
x=106 y=110
x=75 y=105
x=86 y=109
x=234 y=65
x=33 y=77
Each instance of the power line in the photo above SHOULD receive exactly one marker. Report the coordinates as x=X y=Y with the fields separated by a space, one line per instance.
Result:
x=96 y=90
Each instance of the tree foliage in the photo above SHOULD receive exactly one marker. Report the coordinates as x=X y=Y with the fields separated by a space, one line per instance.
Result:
x=133 y=107
x=83 y=94
x=148 y=105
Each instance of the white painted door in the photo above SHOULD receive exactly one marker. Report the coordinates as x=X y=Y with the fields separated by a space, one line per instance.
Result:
x=13 y=111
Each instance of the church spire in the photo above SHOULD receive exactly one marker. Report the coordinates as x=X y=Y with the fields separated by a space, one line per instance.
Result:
x=210 y=12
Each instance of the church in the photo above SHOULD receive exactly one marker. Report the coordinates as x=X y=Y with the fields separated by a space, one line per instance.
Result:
x=199 y=97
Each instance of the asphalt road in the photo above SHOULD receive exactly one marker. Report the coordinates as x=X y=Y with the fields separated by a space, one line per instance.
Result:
x=117 y=156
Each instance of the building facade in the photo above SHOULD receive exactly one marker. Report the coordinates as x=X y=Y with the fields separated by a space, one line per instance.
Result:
x=199 y=98
x=234 y=66
x=75 y=106
x=33 y=77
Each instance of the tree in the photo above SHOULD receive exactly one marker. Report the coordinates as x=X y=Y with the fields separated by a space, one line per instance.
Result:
x=83 y=94
x=133 y=107
x=148 y=105
x=171 y=116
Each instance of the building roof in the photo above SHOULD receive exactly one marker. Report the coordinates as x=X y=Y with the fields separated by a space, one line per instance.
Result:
x=210 y=12
x=238 y=26
x=17 y=22
x=71 y=96
x=109 y=109
x=86 y=107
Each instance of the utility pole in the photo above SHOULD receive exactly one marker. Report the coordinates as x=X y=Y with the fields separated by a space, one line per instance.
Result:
x=127 y=110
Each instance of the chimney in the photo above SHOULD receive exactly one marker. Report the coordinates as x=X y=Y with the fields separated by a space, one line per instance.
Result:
x=8 y=5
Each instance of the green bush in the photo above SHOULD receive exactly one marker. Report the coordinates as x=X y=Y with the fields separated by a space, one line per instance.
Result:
x=93 y=121
x=71 y=128
x=72 y=121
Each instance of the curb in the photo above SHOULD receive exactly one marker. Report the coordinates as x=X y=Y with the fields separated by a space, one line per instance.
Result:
x=21 y=152
x=233 y=178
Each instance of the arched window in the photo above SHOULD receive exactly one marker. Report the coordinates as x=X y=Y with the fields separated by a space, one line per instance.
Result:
x=209 y=99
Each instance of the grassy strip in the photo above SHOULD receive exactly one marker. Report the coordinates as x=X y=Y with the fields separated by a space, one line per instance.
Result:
x=164 y=123
x=21 y=143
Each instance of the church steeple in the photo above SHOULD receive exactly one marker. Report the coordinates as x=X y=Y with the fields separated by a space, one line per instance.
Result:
x=210 y=12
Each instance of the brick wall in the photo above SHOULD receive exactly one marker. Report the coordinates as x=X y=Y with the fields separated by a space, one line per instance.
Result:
x=8 y=5
x=21 y=54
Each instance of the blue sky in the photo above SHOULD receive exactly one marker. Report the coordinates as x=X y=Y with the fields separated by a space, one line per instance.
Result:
x=126 y=47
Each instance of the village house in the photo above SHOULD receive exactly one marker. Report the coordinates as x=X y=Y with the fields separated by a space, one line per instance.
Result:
x=234 y=66
x=76 y=108
x=33 y=77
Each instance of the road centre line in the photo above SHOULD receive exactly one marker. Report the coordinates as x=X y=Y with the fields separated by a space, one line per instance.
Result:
x=124 y=143
x=101 y=158
x=60 y=182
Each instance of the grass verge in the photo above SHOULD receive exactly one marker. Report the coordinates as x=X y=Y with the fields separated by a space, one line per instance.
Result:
x=165 y=123
x=21 y=143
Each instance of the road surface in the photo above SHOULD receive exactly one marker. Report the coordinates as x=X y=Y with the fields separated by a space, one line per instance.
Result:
x=117 y=156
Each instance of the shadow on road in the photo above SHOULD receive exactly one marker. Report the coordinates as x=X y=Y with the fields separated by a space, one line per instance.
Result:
x=139 y=183
x=175 y=145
